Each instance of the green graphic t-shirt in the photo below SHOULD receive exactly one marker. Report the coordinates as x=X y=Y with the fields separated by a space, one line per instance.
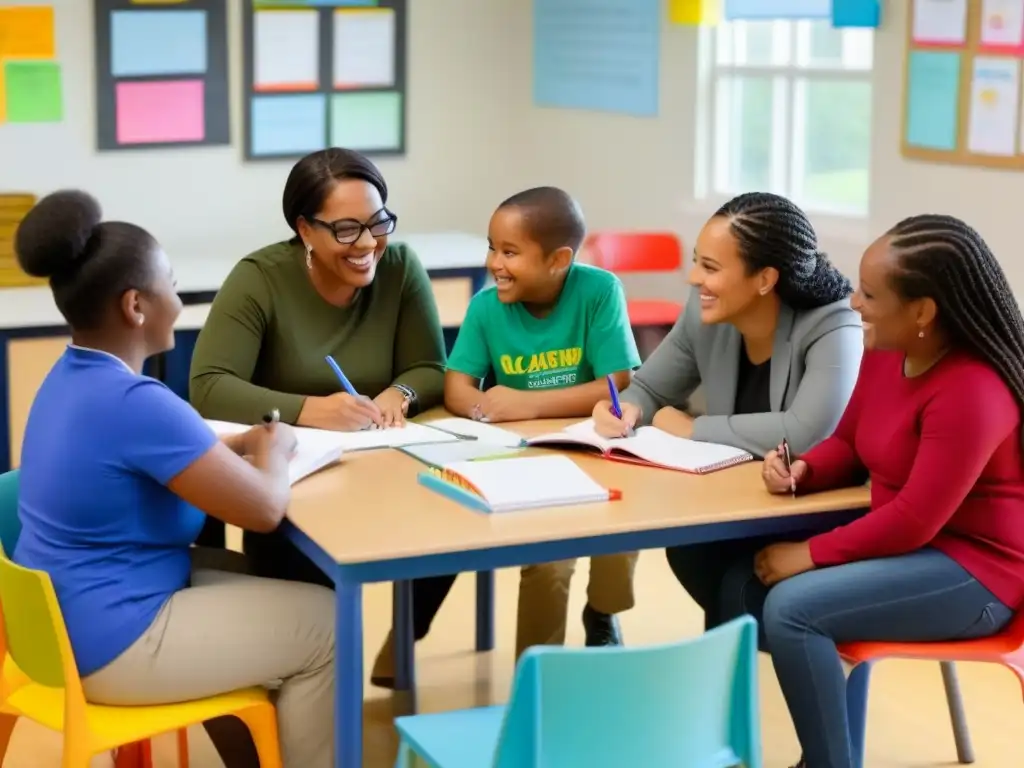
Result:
x=587 y=335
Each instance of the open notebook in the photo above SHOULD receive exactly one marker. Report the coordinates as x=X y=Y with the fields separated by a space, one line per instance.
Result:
x=316 y=447
x=649 y=446
x=508 y=485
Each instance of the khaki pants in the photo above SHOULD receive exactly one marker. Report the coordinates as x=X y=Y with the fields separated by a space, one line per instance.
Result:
x=229 y=631
x=544 y=596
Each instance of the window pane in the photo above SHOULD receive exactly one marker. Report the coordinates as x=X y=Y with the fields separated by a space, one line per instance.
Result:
x=743 y=134
x=833 y=145
x=753 y=43
x=821 y=46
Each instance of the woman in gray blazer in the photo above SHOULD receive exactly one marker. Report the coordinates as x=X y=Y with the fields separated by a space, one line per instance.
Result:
x=769 y=336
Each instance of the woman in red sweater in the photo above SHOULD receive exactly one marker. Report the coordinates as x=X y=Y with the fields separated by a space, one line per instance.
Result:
x=935 y=423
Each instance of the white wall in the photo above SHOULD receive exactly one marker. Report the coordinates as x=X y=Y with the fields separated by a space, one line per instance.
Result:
x=208 y=201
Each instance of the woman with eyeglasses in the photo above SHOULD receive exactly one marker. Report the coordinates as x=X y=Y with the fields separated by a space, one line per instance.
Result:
x=336 y=288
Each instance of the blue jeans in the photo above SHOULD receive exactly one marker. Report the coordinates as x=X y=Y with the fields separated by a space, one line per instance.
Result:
x=919 y=597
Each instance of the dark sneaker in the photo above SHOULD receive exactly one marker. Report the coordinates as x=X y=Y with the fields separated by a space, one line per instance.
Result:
x=601 y=628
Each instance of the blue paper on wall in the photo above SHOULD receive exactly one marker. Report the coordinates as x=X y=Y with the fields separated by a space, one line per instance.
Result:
x=157 y=43
x=288 y=125
x=778 y=9
x=597 y=54
x=933 y=95
x=857 y=13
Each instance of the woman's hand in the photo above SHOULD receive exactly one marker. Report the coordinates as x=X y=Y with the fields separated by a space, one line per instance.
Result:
x=277 y=437
x=607 y=424
x=505 y=404
x=674 y=421
x=340 y=412
x=394 y=407
x=777 y=479
x=782 y=561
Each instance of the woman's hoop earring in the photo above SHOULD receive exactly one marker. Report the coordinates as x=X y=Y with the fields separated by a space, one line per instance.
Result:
x=309 y=256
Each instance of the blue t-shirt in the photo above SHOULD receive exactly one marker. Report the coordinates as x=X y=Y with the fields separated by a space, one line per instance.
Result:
x=100 y=446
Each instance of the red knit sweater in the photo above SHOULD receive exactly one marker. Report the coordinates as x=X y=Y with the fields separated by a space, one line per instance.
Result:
x=943 y=451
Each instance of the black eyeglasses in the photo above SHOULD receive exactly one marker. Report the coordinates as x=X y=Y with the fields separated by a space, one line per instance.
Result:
x=348 y=231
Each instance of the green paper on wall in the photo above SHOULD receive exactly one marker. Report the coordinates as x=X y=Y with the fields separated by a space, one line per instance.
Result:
x=370 y=121
x=33 y=92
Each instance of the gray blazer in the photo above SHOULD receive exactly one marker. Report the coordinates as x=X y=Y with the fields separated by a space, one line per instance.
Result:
x=815 y=362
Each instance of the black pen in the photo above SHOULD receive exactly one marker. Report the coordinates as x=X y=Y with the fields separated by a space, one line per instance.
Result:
x=787 y=459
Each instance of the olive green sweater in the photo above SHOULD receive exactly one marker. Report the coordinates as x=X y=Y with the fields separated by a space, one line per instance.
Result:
x=268 y=332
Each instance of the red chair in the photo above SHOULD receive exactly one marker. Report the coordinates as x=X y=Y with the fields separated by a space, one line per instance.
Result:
x=1005 y=648
x=620 y=252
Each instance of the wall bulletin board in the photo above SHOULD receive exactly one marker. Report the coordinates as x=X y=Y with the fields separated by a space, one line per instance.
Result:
x=962 y=83
x=161 y=74
x=324 y=73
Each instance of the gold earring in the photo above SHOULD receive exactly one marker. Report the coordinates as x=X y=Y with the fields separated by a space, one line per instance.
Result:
x=309 y=256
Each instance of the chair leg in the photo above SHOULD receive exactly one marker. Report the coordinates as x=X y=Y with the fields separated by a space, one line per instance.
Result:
x=183 y=748
x=7 y=723
x=262 y=724
x=133 y=756
x=857 y=709
x=961 y=732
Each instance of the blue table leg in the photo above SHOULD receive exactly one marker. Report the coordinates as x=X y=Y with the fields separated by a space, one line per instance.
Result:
x=405 y=641
x=348 y=687
x=485 y=610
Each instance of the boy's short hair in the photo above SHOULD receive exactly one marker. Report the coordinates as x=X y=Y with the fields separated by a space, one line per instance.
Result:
x=553 y=218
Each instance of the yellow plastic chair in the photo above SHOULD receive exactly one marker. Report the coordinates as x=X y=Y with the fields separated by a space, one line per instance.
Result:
x=40 y=681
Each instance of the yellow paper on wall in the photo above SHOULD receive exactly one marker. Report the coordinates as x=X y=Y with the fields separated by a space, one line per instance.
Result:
x=27 y=32
x=691 y=12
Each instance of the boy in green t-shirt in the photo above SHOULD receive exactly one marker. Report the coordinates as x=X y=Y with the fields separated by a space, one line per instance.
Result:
x=550 y=331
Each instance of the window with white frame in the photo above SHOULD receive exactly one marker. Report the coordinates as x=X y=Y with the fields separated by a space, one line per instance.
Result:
x=787 y=109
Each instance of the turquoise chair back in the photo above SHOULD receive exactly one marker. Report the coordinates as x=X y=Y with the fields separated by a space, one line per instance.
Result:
x=691 y=704
x=10 y=525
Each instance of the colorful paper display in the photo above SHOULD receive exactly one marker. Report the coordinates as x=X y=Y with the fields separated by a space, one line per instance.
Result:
x=30 y=78
x=933 y=95
x=323 y=73
x=157 y=43
x=162 y=73
x=160 y=112
x=603 y=57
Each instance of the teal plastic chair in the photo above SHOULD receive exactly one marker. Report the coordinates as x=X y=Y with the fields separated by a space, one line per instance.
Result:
x=691 y=704
x=10 y=525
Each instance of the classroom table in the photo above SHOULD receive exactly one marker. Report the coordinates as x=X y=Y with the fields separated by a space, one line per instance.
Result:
x=367 y=519
x=33 y=334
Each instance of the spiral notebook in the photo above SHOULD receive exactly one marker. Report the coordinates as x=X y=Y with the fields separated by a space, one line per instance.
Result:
x=650 y=446
x=509 y=485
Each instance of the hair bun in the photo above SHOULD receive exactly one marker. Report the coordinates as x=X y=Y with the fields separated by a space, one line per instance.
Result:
x=52 y=238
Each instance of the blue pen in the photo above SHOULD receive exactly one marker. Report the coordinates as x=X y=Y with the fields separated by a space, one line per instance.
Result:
x=345 y=383
x=614 y=392
x=616 y=405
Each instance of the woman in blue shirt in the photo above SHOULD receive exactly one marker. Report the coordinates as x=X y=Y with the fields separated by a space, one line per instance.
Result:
x=117 y=477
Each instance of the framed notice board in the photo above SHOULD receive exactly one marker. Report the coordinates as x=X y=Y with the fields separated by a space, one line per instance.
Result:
x=962 y=83
x=321 y=73
x=161 y=74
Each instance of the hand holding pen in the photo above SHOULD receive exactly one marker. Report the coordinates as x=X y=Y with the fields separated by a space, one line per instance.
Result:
x=613 y=418
x=780 y=472
x=348 y=411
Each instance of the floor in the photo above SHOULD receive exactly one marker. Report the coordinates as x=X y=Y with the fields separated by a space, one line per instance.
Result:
x=908 y=724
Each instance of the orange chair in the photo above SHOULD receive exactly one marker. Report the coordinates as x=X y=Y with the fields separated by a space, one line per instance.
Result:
x=1005 y=648
x=620 y=252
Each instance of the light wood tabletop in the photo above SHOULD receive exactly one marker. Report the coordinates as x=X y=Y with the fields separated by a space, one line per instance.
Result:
x=371 y=507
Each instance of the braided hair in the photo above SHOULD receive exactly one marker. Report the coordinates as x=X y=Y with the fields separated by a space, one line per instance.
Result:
x=942 y=258
x=771 y=231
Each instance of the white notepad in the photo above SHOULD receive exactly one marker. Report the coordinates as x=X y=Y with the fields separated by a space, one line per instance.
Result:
x=650 y=445
x=508 y=485
x=317 y=448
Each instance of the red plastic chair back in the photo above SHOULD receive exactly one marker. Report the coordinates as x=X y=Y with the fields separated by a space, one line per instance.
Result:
x=635 y=251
